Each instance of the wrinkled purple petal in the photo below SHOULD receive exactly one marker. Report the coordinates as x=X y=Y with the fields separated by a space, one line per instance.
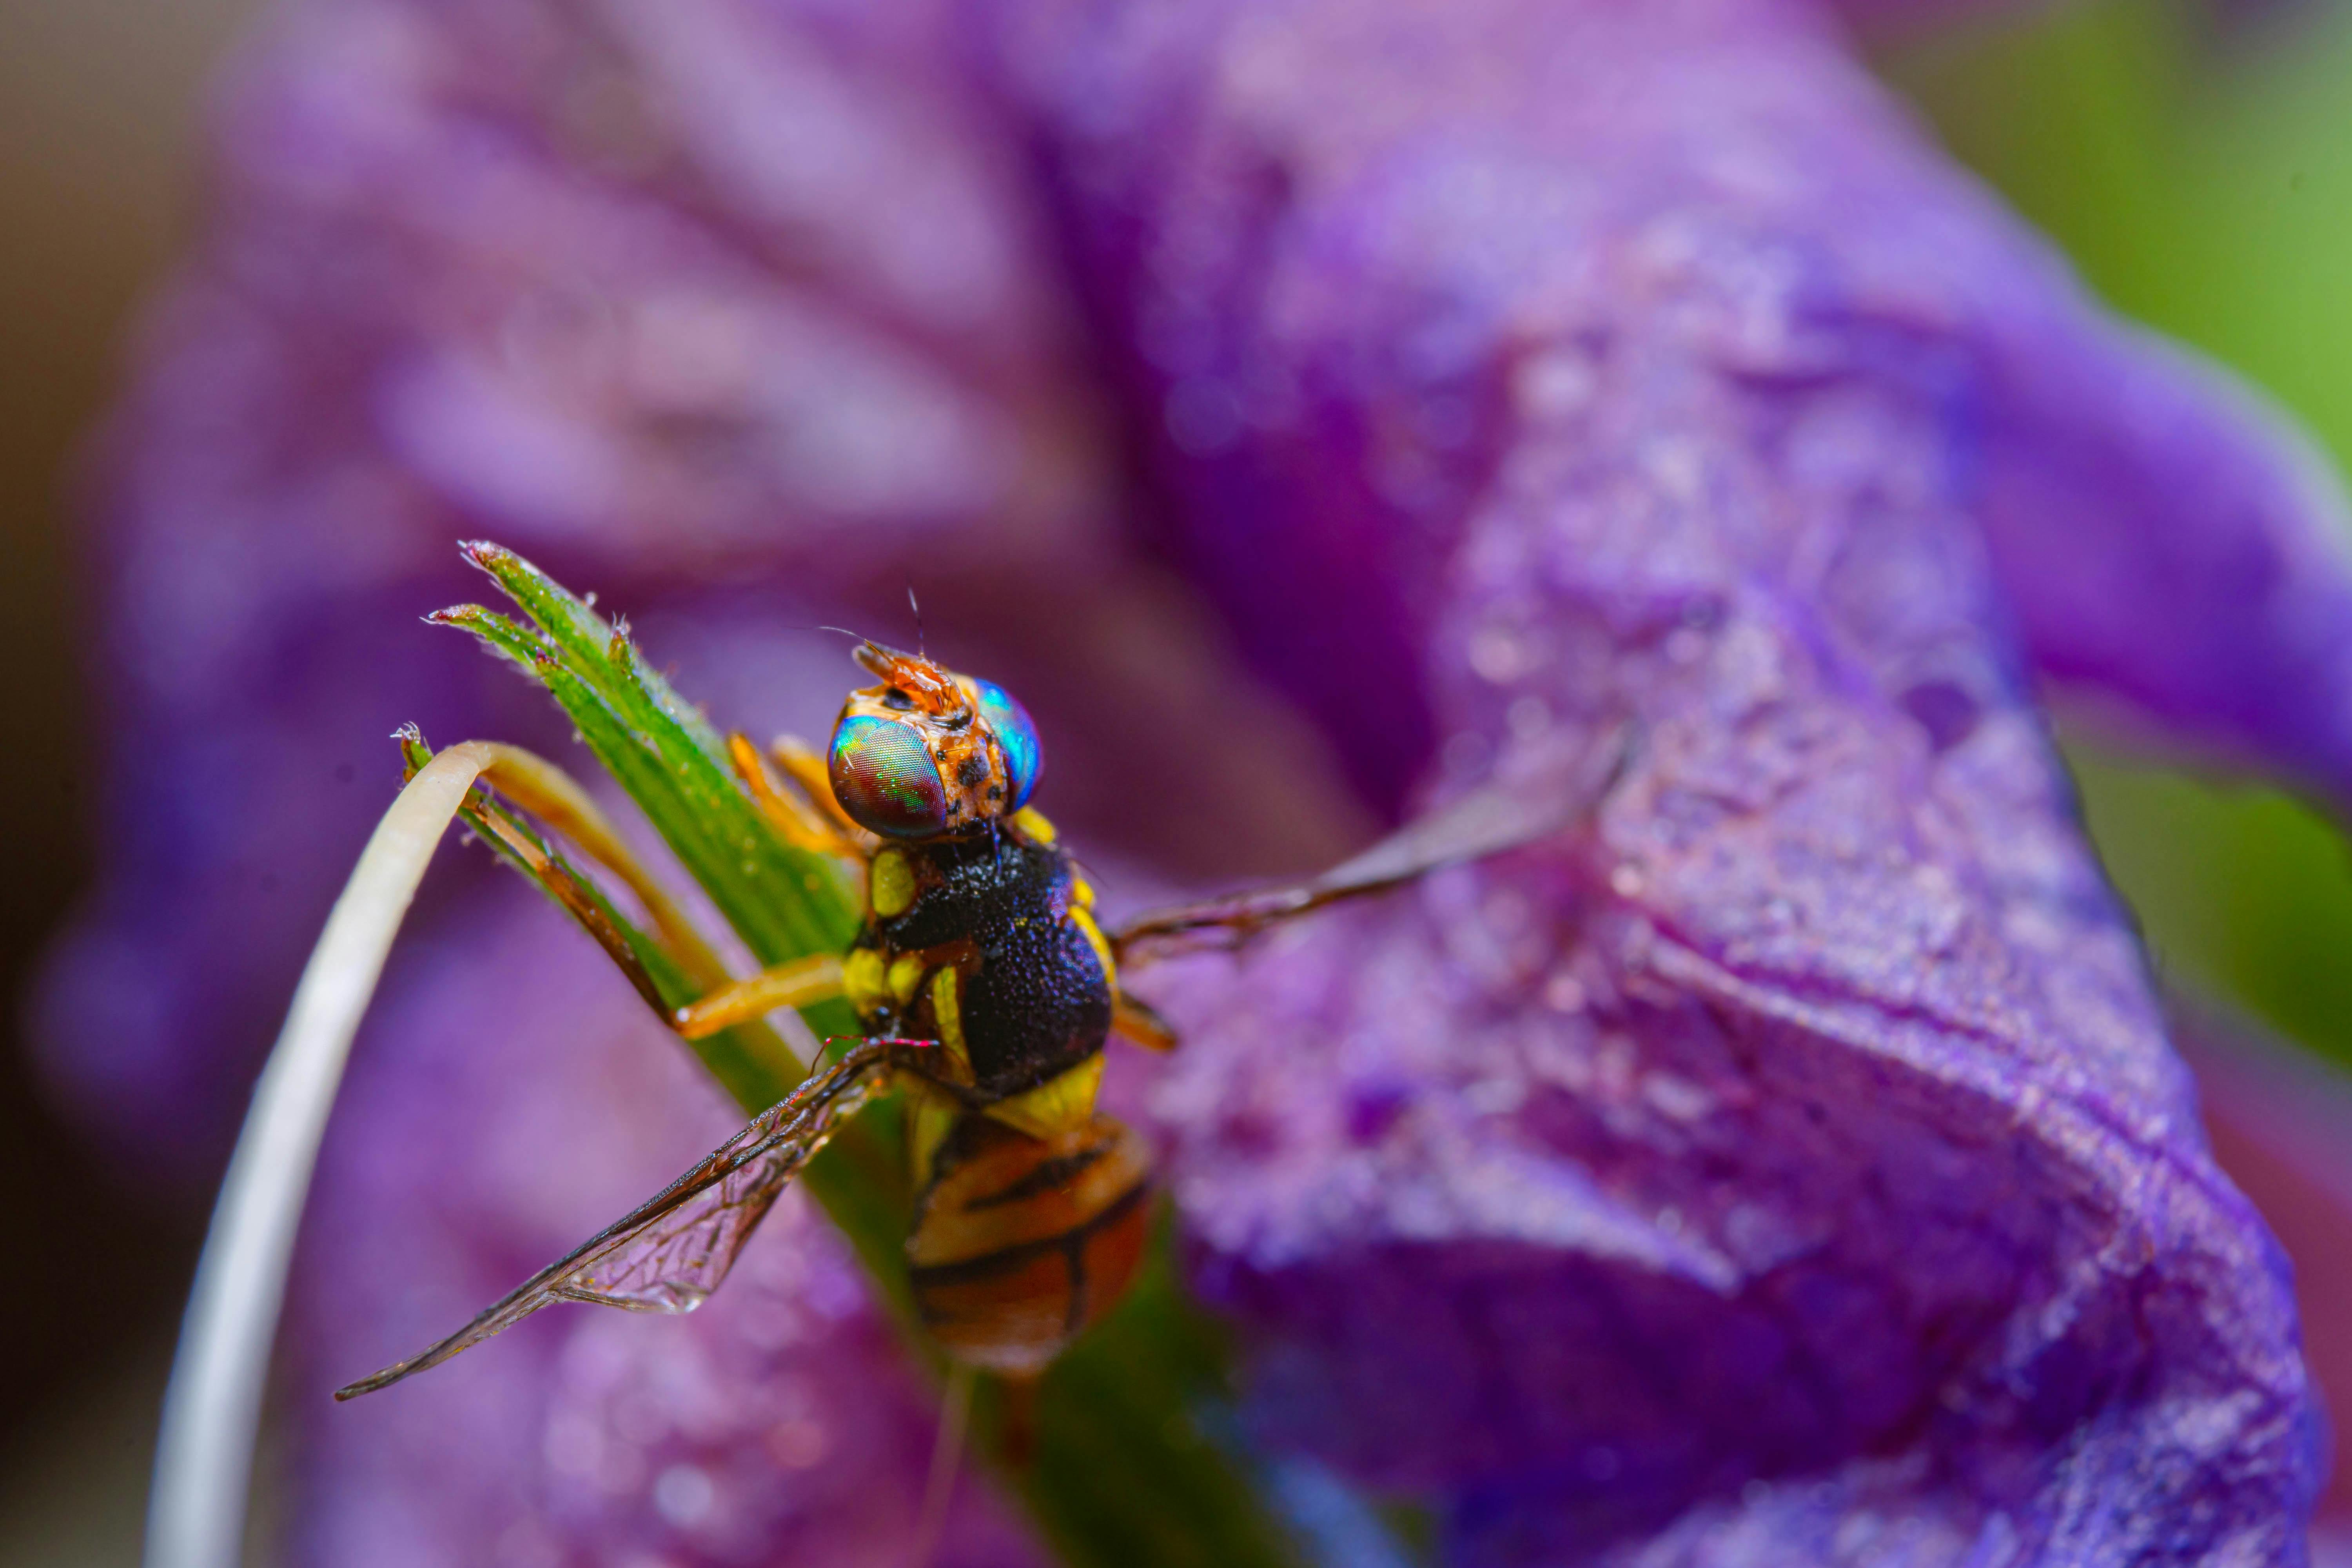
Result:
x=1794 y=1168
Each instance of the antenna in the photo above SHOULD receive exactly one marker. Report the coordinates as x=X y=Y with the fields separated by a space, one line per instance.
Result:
x=912 y=605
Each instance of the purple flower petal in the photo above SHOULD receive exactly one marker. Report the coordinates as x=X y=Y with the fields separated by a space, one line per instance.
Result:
x=2171 y=549
x=1793 y=1167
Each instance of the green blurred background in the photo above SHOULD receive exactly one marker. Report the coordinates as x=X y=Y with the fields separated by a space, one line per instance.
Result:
x=2195 y=159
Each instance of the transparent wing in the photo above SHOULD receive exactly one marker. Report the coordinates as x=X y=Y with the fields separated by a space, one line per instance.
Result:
x=675 y=1261
x=672 y=1251
x=1490 y=819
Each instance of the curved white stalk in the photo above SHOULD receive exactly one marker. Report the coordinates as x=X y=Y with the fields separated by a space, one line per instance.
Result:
x=203 y=1461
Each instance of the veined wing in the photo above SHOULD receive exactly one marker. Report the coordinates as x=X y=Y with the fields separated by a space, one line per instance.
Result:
x=1485 y=821
x=672 y=1251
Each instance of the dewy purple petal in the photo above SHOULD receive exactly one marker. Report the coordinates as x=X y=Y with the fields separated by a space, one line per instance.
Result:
x=1793 y=1167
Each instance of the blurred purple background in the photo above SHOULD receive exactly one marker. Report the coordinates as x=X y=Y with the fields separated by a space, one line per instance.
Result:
x=99 y=100
x=99 y=147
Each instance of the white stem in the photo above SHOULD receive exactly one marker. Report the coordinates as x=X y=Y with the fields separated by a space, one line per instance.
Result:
x=203 y=1461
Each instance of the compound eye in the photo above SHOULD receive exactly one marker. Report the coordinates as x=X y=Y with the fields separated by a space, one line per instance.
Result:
x=1015 y=733
x=884 y=777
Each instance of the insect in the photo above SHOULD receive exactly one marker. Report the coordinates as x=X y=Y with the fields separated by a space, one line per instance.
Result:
x=986 y=991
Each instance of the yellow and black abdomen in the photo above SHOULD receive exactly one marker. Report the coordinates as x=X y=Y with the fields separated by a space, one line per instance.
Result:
x=976 y=943
x=1033 y=1210
x=1020 y=1243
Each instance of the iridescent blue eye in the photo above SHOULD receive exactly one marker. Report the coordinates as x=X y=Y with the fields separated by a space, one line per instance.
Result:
x=884 y=777
x=1016 y=734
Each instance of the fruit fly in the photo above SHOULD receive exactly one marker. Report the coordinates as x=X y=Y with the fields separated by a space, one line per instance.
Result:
x=986 y=990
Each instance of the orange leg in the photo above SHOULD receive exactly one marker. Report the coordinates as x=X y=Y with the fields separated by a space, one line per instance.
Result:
x=794 y=984
x=1137 y=1022
x=806 y=768
x=790 y=810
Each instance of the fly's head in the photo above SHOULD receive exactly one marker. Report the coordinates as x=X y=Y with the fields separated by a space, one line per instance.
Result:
x=929 y=754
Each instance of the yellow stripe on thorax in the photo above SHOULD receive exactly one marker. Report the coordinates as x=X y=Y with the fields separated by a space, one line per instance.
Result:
x=905 y=976
x=1101 y=943
x=947 y=1013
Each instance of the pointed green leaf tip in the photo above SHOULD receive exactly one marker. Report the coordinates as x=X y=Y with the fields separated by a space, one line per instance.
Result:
x=784 y=901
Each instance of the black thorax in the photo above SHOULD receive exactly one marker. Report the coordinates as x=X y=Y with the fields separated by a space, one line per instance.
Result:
x=1032 y=999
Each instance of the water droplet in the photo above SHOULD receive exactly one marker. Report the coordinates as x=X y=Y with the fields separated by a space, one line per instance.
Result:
x=683 y=1495
x=1499 y=654
x=1553 y=386
x=1528 y=717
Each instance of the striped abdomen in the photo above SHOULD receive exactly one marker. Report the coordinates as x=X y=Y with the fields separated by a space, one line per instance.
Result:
x=1022 y=1242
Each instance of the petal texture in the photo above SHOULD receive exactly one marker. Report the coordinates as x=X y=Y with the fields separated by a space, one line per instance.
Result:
x=1791 y=1167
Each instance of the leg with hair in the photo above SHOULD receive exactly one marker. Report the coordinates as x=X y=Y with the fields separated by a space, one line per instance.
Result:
x=1138 y=1023
x=806 y=768
x=791 y=810
x=799 y=984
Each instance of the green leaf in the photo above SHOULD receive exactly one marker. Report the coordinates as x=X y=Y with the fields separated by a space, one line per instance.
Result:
x=1123 y=1474
x=784 y=901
